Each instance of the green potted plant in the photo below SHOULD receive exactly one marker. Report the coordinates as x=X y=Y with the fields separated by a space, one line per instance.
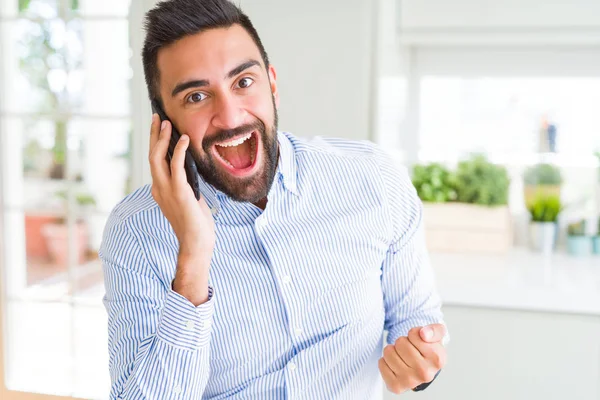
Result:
x=434 y=183
x=56 y=233
x=482 y=182
x=578 y=242
x=544 y=211
x=541 y=180
x=466 y=211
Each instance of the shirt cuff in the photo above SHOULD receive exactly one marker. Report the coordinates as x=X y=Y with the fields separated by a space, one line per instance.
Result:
x=184 y=325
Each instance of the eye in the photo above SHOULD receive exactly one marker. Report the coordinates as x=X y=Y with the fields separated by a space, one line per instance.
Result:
x=195 y=97
x=245 y=83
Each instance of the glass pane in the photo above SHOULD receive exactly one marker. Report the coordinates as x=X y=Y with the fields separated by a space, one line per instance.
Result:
x=52 y=346
x=96 y=152
x=38 y=347
x=41 y=67
x=30 y=8
x=517 y=122
x=17 y=93
x=92 y=380
x=118 y=8
x=38 y=259
x=510 y=118
x=106 y=70
x=37 y=168
x=101 y=159
x=53 y=66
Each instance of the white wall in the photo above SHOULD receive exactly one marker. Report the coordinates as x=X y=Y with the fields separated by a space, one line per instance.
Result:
x=488 y=22
x=323 y=53
x=493 y=14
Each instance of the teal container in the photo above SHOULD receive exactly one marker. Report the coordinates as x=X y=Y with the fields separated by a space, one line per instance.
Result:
x=579 y=246
x=596 y=240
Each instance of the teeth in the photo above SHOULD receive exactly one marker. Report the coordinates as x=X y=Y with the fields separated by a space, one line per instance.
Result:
x=227 y=162
x=236 y=142
x=252 y=151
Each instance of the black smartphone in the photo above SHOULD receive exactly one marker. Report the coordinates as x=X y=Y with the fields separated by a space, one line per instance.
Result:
x=191 y=170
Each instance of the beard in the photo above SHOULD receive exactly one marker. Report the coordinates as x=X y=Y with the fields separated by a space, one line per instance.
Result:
x=249 y=189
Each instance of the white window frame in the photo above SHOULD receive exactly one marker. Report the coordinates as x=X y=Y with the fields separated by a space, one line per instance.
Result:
x=139 y=169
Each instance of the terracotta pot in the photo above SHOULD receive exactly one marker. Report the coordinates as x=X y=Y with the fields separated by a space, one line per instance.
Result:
x=35 y=243
x=58 y=246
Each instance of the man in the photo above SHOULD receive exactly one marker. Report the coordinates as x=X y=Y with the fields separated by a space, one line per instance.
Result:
x=280 y=281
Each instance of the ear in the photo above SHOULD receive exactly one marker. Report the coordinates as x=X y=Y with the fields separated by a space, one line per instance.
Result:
x=273 y=80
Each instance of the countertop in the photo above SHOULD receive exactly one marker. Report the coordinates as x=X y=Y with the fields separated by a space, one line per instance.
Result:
x=520 y=280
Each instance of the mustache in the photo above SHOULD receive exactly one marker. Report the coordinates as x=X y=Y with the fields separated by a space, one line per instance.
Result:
x=226 y=134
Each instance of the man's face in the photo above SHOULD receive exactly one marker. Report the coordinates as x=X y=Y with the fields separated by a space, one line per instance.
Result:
x=215 y=88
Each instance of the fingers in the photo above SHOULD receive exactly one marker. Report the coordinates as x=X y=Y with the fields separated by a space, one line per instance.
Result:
x=403 y=377
x=394 y=361
x=408 y=352
x=412 y=361
x=154 y=131
x=159 y=167
x=433 y=353
x=178 y=160
x=433 y=333
x=389 y=378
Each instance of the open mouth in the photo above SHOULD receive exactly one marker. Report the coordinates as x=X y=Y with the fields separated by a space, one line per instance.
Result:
x=238 y=156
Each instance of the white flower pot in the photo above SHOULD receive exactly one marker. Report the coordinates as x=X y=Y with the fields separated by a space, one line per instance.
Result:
x=543 y=236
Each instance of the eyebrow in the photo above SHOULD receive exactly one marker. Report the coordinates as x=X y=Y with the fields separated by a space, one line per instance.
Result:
x=199 y=83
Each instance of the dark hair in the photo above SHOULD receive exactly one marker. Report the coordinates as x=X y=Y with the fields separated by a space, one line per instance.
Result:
x=172 y=20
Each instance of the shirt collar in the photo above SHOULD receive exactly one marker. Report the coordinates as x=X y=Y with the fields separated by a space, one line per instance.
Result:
x=286 y=167
x=210 y=195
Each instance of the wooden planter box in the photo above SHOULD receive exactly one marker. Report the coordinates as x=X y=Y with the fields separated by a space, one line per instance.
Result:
x=467 y=228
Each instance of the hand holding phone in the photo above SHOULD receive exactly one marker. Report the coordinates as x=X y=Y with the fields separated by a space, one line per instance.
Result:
x=191 y=170
x=190 y=217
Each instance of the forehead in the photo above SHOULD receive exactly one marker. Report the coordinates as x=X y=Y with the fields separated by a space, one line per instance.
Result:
x=206 y=55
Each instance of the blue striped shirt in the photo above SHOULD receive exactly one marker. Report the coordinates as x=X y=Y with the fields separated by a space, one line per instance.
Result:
x=300 y=293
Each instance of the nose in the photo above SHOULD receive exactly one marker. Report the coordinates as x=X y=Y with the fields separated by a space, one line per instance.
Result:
x=228 y=113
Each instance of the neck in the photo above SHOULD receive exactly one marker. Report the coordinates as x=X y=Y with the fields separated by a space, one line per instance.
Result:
x=262 y=203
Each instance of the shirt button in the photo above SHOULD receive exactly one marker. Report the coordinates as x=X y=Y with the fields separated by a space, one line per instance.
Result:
x=190 y=325
x=205 y=324
x=298 y=331
x=292 y=366
x=214 y=210
x=177 y=389
x=287 y=279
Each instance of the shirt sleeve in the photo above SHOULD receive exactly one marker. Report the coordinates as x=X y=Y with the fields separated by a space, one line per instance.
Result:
x=408 y=282
x=158 y=342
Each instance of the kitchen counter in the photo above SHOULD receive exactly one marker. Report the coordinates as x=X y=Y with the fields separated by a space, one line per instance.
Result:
x=520 y=280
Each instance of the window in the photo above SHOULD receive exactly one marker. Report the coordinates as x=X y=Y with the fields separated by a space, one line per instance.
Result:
x=500 y=102
x=504 y=116
x=65 y=129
